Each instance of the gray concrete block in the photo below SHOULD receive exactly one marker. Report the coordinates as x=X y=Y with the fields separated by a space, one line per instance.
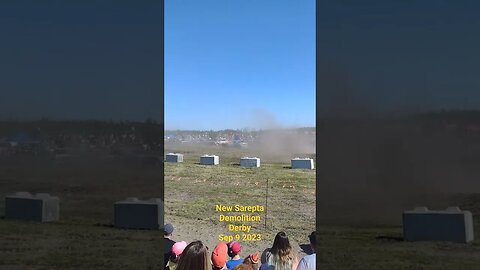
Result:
x=209 y=160
x=174 y=157
x=40 y=207
x=451 y=225
x=302 y=163
x=250 y=162
x=133 y=213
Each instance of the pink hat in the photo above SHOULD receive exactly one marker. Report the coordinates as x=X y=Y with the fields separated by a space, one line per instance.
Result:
x=234 y=248
x=178 y=247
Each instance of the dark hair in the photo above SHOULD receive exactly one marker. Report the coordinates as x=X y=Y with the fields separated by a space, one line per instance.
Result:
x=243 y=266
x=230 y=252
x=248 y=261
x=281 y=247
x=313 y=239
x=194 y=257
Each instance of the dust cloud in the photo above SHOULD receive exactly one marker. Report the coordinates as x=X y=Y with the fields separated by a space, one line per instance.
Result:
x=278 y=141
x=373 y=165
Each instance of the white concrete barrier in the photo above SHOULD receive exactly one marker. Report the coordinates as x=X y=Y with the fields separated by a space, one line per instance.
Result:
x=302 y=163
x=250 y=162
x=209 y=160
x=133 y=213
x=174 y=157
x=40 y=207
x=451 y=225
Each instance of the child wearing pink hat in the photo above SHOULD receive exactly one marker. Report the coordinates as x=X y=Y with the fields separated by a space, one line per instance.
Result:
x=177 y=250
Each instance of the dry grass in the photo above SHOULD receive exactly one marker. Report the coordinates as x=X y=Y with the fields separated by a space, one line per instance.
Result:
x=193 y=190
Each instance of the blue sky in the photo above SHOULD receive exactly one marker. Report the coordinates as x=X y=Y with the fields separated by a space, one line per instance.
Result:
x=236 y=64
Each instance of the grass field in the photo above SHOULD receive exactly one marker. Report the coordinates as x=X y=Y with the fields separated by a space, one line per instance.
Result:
x=192 y=191
x=84 y=237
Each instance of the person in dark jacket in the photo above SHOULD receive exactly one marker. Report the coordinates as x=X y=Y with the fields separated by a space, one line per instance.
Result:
x=167 y=239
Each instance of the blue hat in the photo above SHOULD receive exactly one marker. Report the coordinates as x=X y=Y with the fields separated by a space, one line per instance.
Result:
x=168 y=228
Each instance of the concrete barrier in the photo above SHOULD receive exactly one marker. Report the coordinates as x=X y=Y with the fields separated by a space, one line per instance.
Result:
x=133 y=213
x=250 y=162
x=174 y=157
x=209 y=160
x=40 y=207
x=302 y=163
x=451 y=225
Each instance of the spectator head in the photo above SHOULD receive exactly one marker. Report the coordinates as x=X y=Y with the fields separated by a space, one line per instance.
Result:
x=168 y=229
x=254 y=257
x=252 y=260
x=219 y=256
x=281 y=245
x=234 y=248
x=194 y=257
x=178 y=248
x=243 y=266
x=313 y=241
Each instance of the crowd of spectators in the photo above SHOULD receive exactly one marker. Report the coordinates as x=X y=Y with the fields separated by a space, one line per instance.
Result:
x=228 y=256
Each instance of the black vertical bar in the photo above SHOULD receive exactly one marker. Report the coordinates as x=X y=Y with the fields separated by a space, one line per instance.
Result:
x=266 y=206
